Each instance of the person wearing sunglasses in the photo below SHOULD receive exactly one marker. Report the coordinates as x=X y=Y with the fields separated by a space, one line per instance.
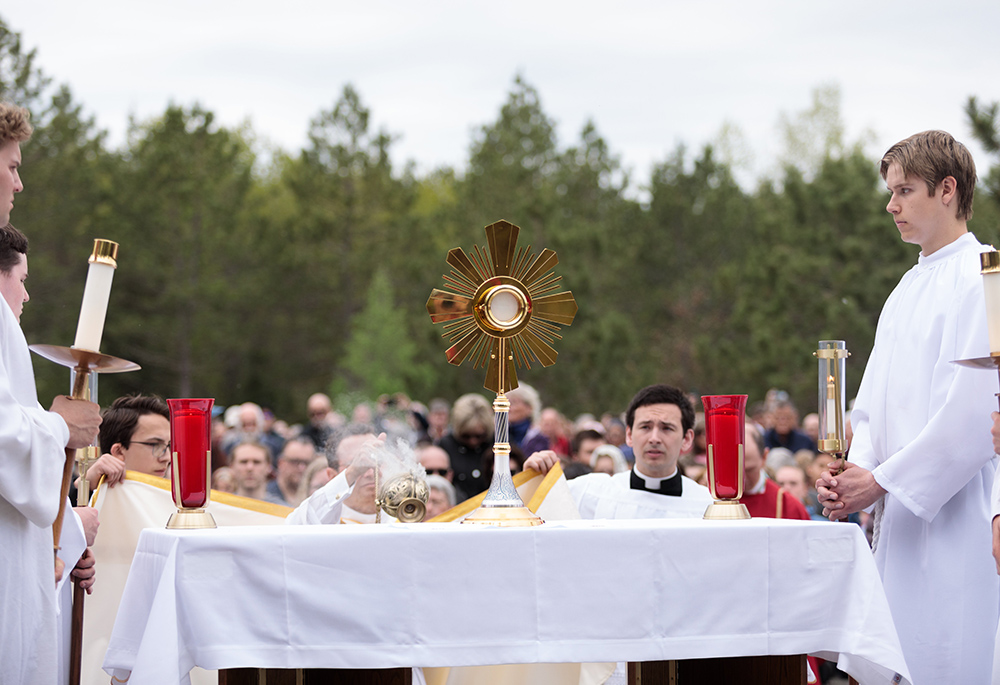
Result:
x=435 y=461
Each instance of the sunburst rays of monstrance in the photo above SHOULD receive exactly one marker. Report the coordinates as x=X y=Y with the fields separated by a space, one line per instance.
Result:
x=505 y=313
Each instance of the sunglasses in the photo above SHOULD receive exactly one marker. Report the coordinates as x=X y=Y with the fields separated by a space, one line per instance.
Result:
x=469 y=437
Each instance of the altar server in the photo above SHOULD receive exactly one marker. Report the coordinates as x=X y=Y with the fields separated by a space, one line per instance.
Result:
x=660 y=425
x=32 y=443
x=921 y=454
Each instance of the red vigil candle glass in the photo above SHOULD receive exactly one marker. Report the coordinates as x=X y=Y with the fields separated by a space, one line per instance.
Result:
x=725 y=430
x=190 y=444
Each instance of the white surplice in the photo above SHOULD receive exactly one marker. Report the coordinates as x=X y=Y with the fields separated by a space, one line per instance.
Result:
x=32 y=443
x=994 y=512
x=922 y=426
x=600 y=496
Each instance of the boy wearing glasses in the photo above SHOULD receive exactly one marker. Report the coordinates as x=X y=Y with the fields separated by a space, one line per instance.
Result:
x=135 y=436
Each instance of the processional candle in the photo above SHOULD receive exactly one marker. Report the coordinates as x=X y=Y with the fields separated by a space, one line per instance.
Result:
x=990 y=262
x=190 y=444
x=96 y=293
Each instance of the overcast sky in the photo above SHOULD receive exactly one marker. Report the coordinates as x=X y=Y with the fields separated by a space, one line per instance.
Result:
x=649 y=74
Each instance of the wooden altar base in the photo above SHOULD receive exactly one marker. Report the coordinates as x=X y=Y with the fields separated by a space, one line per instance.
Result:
x=316 y=676
x=746 y=670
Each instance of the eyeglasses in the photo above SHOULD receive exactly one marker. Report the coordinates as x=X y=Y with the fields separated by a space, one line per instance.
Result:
x=439 y=472
x=300 y=463
x=159 y=448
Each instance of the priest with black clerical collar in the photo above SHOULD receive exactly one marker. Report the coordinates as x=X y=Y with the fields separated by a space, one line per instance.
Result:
x=659 y=427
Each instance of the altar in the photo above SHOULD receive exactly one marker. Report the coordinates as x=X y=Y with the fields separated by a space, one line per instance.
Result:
x=401 y=595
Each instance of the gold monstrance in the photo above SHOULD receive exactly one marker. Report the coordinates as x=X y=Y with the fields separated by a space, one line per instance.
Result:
x=504 y=314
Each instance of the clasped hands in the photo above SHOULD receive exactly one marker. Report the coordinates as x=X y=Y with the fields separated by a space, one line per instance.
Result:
x=849 y=491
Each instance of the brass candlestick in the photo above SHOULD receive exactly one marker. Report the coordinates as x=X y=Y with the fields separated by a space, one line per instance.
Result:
x=505 y=314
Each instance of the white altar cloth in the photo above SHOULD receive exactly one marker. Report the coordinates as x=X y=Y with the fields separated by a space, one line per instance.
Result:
x=451 y=595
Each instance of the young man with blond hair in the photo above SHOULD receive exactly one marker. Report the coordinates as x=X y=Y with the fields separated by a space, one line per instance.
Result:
x=921 y=456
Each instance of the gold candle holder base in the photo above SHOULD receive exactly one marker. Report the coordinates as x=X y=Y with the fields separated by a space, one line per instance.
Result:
x=504 y=517
x=726 y=510
x=189 y=519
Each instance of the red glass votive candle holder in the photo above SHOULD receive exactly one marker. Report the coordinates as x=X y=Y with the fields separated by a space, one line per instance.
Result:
x=191 y=462
x=725 y=431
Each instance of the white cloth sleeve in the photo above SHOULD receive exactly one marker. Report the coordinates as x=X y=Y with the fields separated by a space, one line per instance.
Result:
x=72 y=542
x=32 y=442
x=324 y=506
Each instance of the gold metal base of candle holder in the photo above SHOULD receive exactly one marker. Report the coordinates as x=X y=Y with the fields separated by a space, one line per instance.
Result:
x=834 y=447
x=504 y=517
x=726 y=510
x=189 y=519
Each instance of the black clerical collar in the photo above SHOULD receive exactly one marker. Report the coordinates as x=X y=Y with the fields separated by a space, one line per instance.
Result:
x=666 y=486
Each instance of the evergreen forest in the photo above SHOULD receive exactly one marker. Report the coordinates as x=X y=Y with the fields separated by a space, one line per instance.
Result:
x=260 y=275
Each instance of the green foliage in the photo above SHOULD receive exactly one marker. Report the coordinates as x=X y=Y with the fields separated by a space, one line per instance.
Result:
x=20 y=80
x=244 y=283
x=823 y=259
x=815 y=134
x=985 y=122
x=381 y=356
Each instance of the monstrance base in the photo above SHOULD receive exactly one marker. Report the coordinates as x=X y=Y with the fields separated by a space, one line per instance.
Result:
x=508 y=517
x=726 y=510
x=187 y=519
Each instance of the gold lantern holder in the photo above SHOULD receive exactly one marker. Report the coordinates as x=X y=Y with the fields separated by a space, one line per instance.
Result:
x=506 y=313
x=832 y=356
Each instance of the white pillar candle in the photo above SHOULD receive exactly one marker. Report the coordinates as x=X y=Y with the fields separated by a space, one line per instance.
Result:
x=991 y=289
x=96 y=293
x=831 y=409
